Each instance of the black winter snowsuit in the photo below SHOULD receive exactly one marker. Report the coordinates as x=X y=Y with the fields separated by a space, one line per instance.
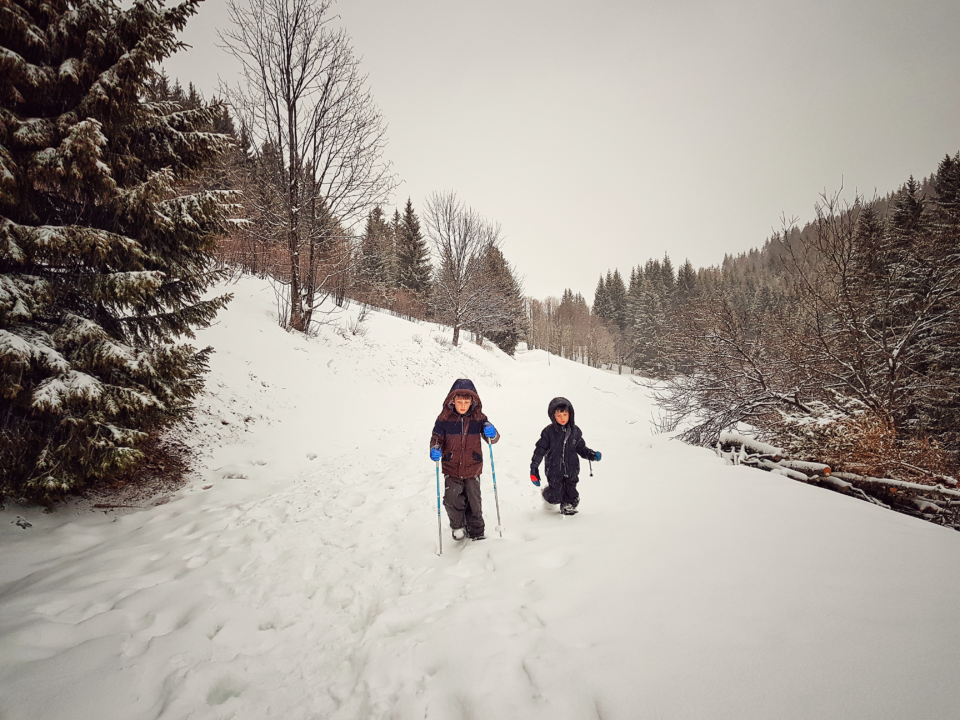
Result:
x=562 y=446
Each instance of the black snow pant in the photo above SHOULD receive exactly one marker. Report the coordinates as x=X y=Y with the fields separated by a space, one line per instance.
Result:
x=564 y=492
x=461 y=498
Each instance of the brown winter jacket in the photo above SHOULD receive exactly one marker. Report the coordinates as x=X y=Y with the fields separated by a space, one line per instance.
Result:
x=458 y=436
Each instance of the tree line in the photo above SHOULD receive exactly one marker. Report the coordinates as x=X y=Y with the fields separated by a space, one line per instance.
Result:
x=838 y=340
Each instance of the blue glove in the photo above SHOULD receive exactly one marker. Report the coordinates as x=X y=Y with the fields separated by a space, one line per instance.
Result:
x=434 y=453
x=489 y=430
x=596 y=456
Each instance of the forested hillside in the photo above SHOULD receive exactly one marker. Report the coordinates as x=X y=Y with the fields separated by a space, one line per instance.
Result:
x=839 y=340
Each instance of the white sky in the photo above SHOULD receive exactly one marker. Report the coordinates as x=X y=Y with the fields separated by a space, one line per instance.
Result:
x=602 y=134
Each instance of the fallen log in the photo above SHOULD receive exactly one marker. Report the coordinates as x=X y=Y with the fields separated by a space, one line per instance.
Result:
x=779 y=469
x=925 y=506
x=733 y=438
x=806 y=467
x=934 y=503
x=848 y=488
x=892 y=485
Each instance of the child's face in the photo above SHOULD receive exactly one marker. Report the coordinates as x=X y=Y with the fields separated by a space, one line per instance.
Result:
x=462 y=404
x=562 y=416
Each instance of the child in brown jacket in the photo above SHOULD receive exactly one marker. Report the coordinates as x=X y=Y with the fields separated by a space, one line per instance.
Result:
x=456 y=441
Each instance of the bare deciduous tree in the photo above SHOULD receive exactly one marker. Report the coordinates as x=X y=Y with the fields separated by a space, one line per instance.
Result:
x=461 y=239
x=305 y=108
x=742 y=363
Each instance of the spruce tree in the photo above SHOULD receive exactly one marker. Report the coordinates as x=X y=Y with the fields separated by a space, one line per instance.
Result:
x=504 y=321
x=686 y=282
x=376 y=250
x=103 y=264
x=669 y=280
x=649 y=327
x=617 y=296
x=946 y=204
x=601 y=302
x=413 y=256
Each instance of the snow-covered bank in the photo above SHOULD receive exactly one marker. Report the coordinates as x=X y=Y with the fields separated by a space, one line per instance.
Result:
x=304 y=583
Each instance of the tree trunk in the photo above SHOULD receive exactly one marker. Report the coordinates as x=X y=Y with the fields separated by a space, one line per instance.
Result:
x=296 y=306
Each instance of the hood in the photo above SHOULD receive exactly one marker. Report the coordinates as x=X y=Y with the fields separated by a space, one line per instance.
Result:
x=464 y=387
x=554 y=404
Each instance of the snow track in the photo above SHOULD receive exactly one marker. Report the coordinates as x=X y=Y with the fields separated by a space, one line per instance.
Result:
x=296 y=576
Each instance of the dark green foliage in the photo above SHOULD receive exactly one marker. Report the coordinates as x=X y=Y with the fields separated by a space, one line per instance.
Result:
x=686 y=282
x=601 y=301
x=503 y=315
x=413 y=256
x=377 y=251
x=617 y=299
x=103 y=264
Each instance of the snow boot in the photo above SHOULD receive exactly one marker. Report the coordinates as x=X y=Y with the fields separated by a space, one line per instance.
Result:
x=481 y=536
x=568 y=509
x=458 y=534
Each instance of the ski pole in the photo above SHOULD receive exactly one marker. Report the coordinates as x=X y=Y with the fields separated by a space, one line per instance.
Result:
x=439 y=521
x=591 y=466
x=496 y=498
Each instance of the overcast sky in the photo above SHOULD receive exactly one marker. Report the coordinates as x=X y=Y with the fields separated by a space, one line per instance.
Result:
x=600 y=134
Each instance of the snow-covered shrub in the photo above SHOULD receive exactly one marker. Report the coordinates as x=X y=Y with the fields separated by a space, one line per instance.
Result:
x=103 y=262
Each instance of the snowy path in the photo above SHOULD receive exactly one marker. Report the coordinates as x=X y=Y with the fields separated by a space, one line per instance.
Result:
x=305 y=582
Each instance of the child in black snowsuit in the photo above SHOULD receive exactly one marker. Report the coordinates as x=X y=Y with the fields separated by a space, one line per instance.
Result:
x=456 y=440
x=561 y=442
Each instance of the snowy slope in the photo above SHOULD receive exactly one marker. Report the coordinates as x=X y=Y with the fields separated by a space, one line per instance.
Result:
x=305 y=582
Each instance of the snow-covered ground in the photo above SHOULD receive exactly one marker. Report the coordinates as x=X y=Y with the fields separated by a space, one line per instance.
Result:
x=297 y=575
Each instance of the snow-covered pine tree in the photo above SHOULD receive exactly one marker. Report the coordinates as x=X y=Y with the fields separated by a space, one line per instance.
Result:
x=377 y=251
x=669 y=279
x=649 y=327
x=601 y=301
x=504 y=321
x=103 y=265
x=944 y=362
x=686 y=282
x=617 y=295
x=413 y=255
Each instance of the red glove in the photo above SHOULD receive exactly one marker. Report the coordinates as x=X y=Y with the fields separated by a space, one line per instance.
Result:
x=535 y=480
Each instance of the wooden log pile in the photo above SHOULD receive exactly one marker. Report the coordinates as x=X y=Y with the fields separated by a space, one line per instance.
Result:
x=937 y=502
